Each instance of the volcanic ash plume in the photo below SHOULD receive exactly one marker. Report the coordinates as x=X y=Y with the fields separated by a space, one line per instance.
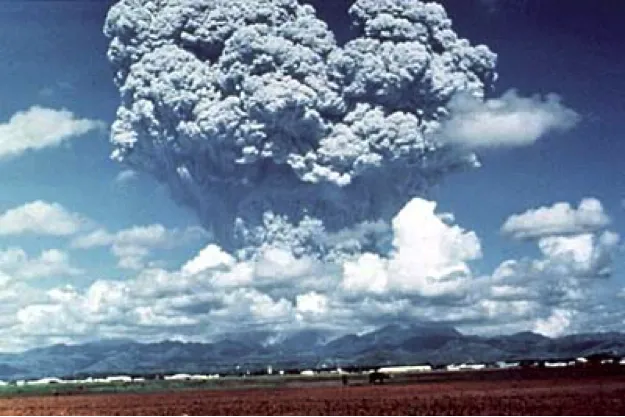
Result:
x=252 y=114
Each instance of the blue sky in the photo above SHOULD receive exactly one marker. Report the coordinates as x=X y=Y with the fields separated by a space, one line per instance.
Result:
x=54 y=57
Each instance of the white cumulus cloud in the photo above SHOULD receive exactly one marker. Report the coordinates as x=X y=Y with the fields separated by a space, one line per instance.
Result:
x=42 y=218
x=39 y=127
x=211 y=257
x=508 y=121
x=559 y=219
x=584 y=255
x=430 y=256
x=426 y=275
x=17 y=263
x=554 y=325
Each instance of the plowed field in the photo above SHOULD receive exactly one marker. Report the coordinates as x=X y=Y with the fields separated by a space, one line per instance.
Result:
x=586 y=396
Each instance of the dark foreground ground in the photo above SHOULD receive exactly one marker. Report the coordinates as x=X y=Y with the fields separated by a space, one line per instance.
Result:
x=549 y=392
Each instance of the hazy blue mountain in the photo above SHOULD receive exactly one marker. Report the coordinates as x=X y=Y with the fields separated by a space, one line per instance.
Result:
x=254 y=351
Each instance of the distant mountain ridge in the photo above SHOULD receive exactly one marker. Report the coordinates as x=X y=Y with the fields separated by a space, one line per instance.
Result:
x=393 y=344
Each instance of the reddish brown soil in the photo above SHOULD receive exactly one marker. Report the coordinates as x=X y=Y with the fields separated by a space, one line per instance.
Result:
x=588 y=396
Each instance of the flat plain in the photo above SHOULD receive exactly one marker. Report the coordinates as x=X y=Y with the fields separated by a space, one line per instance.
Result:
x=478 y=393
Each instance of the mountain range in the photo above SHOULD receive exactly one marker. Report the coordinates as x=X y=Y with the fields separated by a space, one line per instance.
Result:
x=254 y=351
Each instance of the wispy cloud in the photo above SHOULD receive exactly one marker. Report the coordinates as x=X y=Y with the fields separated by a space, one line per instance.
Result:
x=125 y=176
x=133 y=245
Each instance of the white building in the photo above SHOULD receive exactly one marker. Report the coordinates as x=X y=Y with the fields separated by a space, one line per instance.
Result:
x=556 y=364
x=178 y=377
x=307 y=372
x=118 y=378
x=405 y=369
x=506 y=365
x=466 y=367
x=44 y=381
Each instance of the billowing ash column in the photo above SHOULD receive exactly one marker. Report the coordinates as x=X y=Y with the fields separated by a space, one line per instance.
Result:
x=252 y=114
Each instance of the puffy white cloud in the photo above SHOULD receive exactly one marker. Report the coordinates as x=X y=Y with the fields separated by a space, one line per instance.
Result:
x=41 y=217
x=133 y=245
x=52 y=262
x=39 y=127
x=311 y=303
x=50 y=320
x=493 y=309
x=429 y=257
x=508 y=121
x=559 y=219
x=279 y=264
x=149 y=316
x=555 y=287
x=211 y=257
x=584 y=255
x=367 y=273
x=556 y=324
x=426 y=276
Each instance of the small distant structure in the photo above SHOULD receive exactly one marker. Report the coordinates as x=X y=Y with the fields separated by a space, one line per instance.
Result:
x=474 y=366
x=178 y=377
x=307 y=372
x=45 y=381
x=602 y=359
x=466 y=367
x=269 y=369
x=281 y=372
x=118 y=378
x=405 y=369
x=556 y=364
x=201 y=377
x=507 y=365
